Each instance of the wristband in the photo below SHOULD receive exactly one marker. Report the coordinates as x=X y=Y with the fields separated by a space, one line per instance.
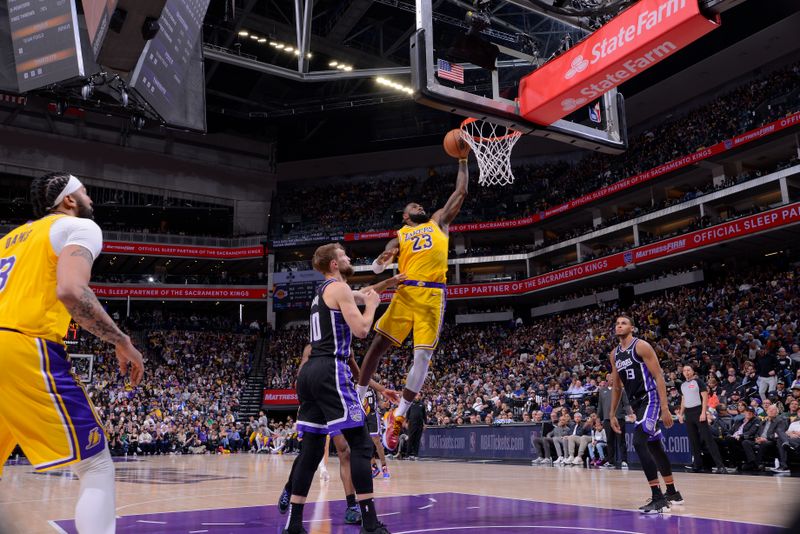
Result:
x=377 y=268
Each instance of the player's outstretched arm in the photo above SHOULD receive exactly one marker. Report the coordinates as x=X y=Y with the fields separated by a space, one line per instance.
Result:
x=359 y=323
x=648 y=355
x=387 y=256
x=73 y=274
x=378 y=288
x=448 y=213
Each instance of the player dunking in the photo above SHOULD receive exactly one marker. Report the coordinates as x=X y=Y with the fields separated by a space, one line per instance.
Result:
x=635 y=367
x=328 y=401
x=419 y=302
x=45 y=267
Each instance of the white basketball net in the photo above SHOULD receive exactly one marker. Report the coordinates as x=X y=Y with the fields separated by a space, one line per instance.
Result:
x=491 y=144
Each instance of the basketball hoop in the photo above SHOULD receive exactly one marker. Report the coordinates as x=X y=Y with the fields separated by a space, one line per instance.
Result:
x=491 y=143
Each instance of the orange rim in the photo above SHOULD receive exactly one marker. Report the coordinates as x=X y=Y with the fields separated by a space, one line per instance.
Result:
x=511 y=133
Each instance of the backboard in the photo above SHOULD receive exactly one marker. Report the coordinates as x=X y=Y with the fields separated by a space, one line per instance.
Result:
x=452 y=36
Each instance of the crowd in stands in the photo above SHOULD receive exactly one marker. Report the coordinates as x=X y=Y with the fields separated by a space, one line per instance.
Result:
x=221 y=278
x=189 y=400
x=740 y=332
x=353 y=206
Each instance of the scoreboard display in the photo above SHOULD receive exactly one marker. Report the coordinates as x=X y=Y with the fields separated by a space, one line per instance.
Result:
x=45 y=41
x=171 y=58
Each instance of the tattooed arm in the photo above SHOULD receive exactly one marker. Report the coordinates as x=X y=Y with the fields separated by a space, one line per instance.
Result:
x=73 y=273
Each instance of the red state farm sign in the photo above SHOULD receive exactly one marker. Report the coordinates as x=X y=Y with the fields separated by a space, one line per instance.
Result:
x=280 y=397
x=632 y=42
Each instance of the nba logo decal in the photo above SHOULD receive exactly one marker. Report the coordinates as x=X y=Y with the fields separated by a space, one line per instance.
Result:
x=94 y=438
x=628 y=257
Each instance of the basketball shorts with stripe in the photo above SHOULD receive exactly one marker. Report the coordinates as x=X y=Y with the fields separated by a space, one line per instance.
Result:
x=43 y=407
x=328 y=399
x=648 y=413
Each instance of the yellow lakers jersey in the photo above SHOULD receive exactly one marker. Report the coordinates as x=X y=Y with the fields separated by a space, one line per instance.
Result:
x=28 y=302
x=423 y=252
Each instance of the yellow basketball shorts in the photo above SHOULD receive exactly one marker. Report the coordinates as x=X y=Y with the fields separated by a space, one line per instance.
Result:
x=420 y=309
x=43 y=406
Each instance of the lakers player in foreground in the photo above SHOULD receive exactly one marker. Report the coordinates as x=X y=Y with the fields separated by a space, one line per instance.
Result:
x=419 y=303
x=635 y=368
x=45 y=266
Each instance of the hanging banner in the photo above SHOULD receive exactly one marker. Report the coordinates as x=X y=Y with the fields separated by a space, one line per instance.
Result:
x=184 y=251
x=638 y=38
x=753 y=224
x=142 y=292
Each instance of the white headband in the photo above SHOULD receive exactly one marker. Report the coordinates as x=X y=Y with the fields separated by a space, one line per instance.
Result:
x=73 y=185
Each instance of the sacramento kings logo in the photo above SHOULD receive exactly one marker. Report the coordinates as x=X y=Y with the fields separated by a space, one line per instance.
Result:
x=650 y=424
x=728 y=144
x=356 y=413
x=628 y=257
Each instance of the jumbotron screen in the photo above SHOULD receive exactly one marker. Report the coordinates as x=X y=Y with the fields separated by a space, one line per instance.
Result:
x=172 y=65
x=45 y=41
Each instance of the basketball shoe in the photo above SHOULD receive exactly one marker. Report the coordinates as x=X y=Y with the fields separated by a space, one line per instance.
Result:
x=655 y=506
x=353 y=515
x=386 y=472
x=283 y=502
x=391 y=434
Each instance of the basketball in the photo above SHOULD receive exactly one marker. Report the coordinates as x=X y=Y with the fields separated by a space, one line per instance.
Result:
x=454 y=144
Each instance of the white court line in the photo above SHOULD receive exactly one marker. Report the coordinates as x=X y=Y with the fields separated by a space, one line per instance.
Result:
x=472 y=507
x=151 y=522
x=57 y=528
x=197 y=531
x=425 y=507
x=314 y=520
x=389 y=513
x=222 y=524
x=600 y=507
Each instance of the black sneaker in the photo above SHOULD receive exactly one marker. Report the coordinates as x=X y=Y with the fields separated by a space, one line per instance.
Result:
x=353 y=515
x=674 y=498
x=283 y=502
x=380 y=528
x=302 y=531
x=655 y=506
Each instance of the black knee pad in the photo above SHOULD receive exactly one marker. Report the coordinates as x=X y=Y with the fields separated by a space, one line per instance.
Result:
x=306 y=464
x=359 y=441
x=361 y=447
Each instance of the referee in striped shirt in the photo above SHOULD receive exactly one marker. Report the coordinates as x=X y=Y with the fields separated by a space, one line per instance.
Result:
x=694 y=403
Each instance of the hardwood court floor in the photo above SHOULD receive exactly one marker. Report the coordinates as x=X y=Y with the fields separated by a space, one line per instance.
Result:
x=154 y=485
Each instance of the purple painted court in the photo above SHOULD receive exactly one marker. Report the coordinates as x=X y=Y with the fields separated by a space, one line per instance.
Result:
x=453 y=513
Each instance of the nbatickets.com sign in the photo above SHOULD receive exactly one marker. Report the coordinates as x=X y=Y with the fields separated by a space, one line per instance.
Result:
x=632 y=42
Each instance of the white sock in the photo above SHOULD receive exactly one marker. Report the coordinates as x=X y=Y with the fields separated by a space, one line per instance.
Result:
x=402 y=410
x=95 y=512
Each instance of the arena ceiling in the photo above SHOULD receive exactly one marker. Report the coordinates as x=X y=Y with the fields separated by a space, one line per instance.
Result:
x=352 y=116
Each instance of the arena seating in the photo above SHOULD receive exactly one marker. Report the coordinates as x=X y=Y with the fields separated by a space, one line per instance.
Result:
x=352 y=206
x=508 y=373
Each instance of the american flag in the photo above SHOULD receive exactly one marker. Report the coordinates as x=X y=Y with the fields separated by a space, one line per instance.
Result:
x=451 y=71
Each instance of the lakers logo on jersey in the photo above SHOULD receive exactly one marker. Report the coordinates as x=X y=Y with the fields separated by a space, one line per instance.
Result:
x=94 y=438
x=423 y=252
